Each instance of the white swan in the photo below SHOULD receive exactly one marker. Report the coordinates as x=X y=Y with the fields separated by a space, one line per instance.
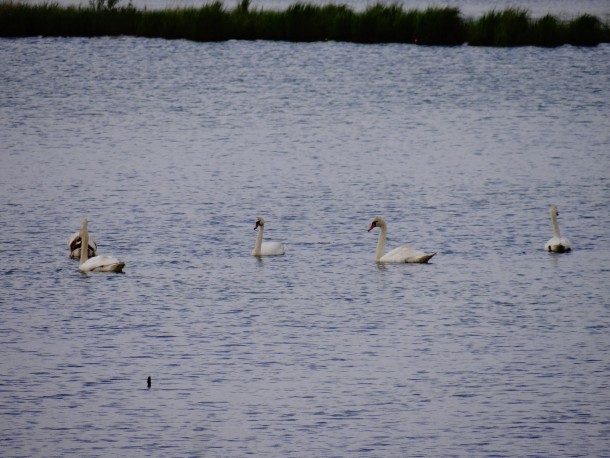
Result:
x=74 y=245
x=266 y=248
x=97 y=263
x=557 y=243
x=400 y=254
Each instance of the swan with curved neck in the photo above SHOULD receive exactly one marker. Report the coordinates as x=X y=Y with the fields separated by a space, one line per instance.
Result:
x=96 y=263
x=557 y=243
x=400 y=254
x=265 y=248
x=74 y=246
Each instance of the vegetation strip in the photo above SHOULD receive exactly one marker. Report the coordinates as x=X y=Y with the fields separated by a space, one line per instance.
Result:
x=302 y=22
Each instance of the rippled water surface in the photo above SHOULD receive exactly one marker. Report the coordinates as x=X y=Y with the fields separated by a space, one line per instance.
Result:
x=173 y=148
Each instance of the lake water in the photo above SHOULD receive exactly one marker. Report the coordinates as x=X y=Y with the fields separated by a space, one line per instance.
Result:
x=173 y=148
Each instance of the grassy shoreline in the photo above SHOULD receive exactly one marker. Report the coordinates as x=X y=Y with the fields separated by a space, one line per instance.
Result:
x=302 y=22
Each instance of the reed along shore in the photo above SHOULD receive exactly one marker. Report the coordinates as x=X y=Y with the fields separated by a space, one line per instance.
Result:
x=302 y=22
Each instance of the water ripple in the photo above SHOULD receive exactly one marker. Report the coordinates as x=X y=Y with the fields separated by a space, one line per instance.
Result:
x=172 y=149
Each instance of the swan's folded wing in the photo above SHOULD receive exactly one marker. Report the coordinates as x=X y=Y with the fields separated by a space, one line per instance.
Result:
x=406 y=254
x=102 y=264
x=273 y=248
x=73 y=240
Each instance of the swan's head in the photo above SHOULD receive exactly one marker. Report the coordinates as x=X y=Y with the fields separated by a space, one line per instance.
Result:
x=377 y=222
x=553 y=210
x=260 y=222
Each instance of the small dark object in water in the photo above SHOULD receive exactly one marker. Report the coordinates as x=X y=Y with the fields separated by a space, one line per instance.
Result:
x=149 y=381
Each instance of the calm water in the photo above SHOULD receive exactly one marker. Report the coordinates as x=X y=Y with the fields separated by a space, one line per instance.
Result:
x=173 y=148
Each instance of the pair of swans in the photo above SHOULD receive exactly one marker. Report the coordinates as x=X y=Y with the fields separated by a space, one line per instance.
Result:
x=398 y=255
x=556 y=244
x=89 y=260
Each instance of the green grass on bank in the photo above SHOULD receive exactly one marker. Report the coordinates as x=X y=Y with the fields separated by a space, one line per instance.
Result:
x=302 y=22
x=514 y=27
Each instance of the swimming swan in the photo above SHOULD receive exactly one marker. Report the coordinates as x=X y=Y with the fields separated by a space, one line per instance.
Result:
x=266 y=248
x=557 y=244
x=97 y=263
x=74 y=245
x=400 y=254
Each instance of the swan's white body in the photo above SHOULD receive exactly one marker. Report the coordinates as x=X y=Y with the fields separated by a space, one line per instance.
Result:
x=557 y=243
x=96 y=263
x=74 y=245
x=266 y=248
x=400 y=254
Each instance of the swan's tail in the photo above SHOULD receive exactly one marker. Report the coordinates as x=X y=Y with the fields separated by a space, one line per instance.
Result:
x=425 y=258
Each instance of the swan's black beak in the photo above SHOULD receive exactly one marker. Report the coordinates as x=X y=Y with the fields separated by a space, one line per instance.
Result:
x=373 y=226
x=256 y=225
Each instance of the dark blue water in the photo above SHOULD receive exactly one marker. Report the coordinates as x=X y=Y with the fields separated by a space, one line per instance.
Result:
x=172 y=149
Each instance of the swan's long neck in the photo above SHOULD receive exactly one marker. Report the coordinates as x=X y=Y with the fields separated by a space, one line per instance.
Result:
x=259 y=241
x=380 y=242
x=84 y=243
x=555 y=225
